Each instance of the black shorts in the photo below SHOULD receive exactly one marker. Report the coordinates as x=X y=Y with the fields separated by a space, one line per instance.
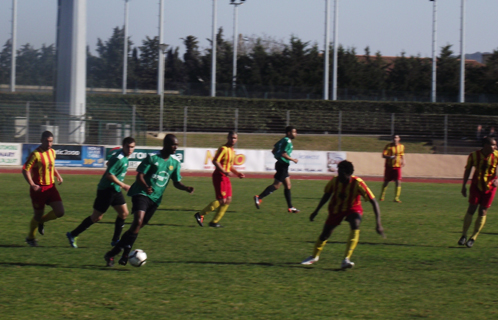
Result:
x=143 y=203
x=282 y=171
x=108 y=197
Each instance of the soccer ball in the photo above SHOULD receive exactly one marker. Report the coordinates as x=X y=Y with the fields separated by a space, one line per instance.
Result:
x=137 y=257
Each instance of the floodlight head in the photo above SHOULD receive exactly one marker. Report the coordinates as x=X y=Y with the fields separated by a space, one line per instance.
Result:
x=163 y=47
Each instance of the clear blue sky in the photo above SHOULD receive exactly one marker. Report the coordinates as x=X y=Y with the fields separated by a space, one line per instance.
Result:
x=388 y=26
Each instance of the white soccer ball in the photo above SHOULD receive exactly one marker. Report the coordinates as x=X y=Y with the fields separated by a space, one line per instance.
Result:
x=137 y=257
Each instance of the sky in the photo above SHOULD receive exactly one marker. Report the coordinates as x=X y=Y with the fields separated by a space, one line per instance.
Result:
x=387 y=26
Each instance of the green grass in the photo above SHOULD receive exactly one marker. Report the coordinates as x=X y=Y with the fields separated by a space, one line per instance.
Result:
x=302 y=142
x=249 y=269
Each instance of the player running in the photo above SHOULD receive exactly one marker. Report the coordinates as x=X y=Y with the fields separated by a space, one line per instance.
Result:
x=109 y=194
x=39 y=171
x=345 y=192
x=482 y=188
x=282 y=152
x=394 y=153
x=223 y=161
x=154 y=174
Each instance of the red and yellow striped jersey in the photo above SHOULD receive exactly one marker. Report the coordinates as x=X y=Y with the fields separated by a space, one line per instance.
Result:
x=394 y=150
x=485 y=168
x=347 y=197
x=41 y=164
x=225 y=156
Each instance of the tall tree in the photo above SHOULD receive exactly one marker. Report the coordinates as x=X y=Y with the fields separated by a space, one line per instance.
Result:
x=5 y=63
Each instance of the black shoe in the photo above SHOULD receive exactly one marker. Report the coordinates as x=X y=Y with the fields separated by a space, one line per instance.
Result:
x=199 y=219
x=32 y=242
x=124 y=260
x=109 y=260
x=215 y=225
x=41 y=229
x=462 y=240
x=470 y=243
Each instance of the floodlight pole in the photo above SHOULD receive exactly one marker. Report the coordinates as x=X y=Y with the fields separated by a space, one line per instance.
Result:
x=213 y=53
x=336 y=47
x=434 y=48
x=326 y=65
x=235 y=44
x=160 y=71
x=162 y=48
x=462 y=55
x=125 y=50
x=13 y=43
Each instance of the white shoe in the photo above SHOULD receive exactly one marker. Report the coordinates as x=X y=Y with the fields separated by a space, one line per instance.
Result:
x=293 y=210
x=346 y=264
x=310 y=260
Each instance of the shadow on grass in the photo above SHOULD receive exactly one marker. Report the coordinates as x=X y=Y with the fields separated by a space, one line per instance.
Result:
x=52 y=265
x=382 y=244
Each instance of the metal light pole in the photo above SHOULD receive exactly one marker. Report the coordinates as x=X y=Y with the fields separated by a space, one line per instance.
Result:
x=462 y=55
x=213 y=53
x=235 y=43
x=125 y=50
x=434 y=48
x=326 y=52
x=13 y=42
x=336 y=47
x=162 y=48
x=160 y=71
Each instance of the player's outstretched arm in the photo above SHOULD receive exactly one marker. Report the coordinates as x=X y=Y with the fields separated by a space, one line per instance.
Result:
x=466 y=176
x=378 y=228
x=237 y=173
x=181 y=186
x=325 y=198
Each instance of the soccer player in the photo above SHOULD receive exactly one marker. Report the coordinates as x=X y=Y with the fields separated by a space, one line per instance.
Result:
x=282 y=151
x=482 y=188
x=394 y=153
x=223 y=161
x=109 y=194
x=154 y=174
x=39 y=171
x=345 y=192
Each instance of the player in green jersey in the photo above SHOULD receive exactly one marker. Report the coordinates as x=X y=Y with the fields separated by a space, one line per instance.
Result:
x=282 y=151
x=154 y=174
x=109 y=194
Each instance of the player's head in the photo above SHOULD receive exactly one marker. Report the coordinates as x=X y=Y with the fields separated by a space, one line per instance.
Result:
x=128 y=146
x=346 y=170
x=232 y=138
x=291 y=132
x=488 y=145
x=396 y=139
x=170 y=144
x=47 y=140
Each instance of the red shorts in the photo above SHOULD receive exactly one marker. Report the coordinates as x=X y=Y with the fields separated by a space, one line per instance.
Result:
x=484 y=199
x=392 y=174
x=222 y=186
x=44 y=196
x=335 y=219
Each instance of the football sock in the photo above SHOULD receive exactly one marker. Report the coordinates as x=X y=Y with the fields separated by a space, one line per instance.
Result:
x=319 y=244
x=480 y=221
x=33 y=226
x=118 y=228
x=383 y=193
x=467 y=221
x=85 y=224
x=210 y=207
x=287 y=194
x=221 y=212
x=354 y=237
x=269 y=190
x=49 y=216
x=398 y=192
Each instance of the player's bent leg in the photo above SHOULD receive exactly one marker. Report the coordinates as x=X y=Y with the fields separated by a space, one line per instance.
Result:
x=398 y=191
x=123 y=213
x=33 y=226
x=383 y=191
x=467 y=221
x=479 y=224
x=58 y=208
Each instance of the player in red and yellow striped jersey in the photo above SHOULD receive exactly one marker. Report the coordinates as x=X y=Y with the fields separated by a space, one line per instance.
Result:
x=345 y=192
x=394 y=153
x=482 y=188
x=223 y=161
x=39 y=171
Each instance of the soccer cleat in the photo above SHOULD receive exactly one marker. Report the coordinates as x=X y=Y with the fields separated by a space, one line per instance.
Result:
x=310 y=260
x=124 y=259
x=41 y=229
x=199 y=219
x=462 y=240
x=72 y=240
x=215 y=225
x=397 y=200
x=293 y=210
x=346 y=264
x=114 y=242
x=381 y=199
x=257 y=201
x=109 y=260
x=470 y=243
x=32 y=242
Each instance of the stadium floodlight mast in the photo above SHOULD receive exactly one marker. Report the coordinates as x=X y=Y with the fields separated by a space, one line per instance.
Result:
x=125 y=49
x=336 y=47
x=462 y=55
x=13 y=43
x=326 y=52
x=162 y=47
x=434 y=48
x=213 y=53
x=236 y=5
x=160 y=71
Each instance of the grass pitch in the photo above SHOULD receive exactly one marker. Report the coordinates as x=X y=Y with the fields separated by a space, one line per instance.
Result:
x=249 y=269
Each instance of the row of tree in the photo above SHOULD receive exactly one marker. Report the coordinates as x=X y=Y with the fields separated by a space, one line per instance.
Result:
x=261 y=62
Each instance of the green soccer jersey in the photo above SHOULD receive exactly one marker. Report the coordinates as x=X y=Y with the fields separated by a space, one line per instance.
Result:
x=117 y=166
x=157 y=174
x=284 y=145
